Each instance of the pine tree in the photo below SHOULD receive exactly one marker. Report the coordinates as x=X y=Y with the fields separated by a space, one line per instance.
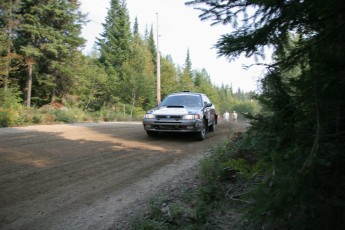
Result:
x=169 y=81
x=152 y=46
x=115 y=40
x=138 y=86
x=48 y=37
x=300 y=134
x=186 y=78
x=9 y=23
x=136 y=27
x=203 y=84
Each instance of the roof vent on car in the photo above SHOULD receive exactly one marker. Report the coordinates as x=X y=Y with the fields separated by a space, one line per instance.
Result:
x=186 y=91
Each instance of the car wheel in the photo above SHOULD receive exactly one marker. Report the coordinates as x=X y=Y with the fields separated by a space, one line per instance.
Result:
x=212 y=127
x=202 y=133
x=152 y=133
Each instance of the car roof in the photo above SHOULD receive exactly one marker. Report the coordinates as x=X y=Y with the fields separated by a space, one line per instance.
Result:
x=186 y=92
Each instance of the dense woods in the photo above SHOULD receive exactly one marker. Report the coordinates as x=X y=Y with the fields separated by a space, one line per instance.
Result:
x=299 y=135
x=42 y=66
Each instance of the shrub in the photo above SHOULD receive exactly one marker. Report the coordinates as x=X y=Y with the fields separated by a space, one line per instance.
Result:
x=147 y=224
x=8 y=117
x=9 y=106
x=64 y=116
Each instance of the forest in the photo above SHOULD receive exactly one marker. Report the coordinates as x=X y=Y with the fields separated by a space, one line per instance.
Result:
x=46 y=78
x=297 y=136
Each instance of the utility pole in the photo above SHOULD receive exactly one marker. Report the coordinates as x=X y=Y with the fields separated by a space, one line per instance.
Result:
x=158 y=68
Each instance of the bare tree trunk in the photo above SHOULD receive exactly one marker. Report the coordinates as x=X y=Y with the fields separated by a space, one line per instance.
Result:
x=8 y=58
x=30 y=63
x=7 y=68
x=133 y=105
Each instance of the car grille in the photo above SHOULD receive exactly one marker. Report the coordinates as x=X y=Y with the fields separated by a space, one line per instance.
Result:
x=169 y=127
x=168 y=116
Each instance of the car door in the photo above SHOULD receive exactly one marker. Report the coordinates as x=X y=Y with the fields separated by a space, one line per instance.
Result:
x=208 y=111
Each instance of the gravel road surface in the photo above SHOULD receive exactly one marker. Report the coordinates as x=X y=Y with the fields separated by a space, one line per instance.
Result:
x=83 y=176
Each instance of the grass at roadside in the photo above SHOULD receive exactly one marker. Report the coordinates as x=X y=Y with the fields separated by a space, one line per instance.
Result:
x=56 y=113
x=224 y=177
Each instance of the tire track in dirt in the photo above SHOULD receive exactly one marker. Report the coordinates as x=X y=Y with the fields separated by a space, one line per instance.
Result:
x=82 y=176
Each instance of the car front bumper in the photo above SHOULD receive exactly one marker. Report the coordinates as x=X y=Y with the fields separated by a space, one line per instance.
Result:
x=173 y=125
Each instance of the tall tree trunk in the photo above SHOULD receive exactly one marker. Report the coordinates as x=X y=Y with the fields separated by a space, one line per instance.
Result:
x=29 y=62
x=8 y=58
x=133 y=102
x=7 y=67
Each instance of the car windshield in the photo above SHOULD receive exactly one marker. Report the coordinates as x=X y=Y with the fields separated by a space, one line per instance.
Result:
x=182 y=100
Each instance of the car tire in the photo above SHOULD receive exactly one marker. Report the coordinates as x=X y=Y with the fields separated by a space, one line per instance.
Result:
x=201 y=135
x=152 y=133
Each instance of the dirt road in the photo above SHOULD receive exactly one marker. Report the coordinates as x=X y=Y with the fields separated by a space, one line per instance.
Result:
x=82 y=176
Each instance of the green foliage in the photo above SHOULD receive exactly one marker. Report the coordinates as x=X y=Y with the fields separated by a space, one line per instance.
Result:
x=169 y=81
x=203 y=209
x=243 y=168
x=299 y=133
x=70 y=115
x=47 y=37
x=90 y=90
x=115 y=40
x=8 y=117
x=9 y=107
x=19 y=116
x=228 y=165
x=231 y=160
x=10 y=98
x=147 y=224
x=152 y=47
x=245 y=108
x=121 y=70
x=186 y=77
x=138 y=76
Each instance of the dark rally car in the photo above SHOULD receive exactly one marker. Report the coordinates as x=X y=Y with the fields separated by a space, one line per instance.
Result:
x=182 y=112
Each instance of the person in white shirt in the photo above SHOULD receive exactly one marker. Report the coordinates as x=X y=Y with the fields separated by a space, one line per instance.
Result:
x=226 y=116
x=234 y=116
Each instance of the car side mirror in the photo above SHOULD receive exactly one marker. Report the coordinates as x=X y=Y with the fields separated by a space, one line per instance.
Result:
x=208 y=104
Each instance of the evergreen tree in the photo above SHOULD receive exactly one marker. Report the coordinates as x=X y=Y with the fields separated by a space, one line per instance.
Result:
x=136 y=27
x=188 y=65
x=186 y=78
x=226 y=97
x=48 y=38
x=203 y=84
x=8 y=24
x=90 y=91
x=115 y=40
x=138 y=86
x=169 y=81
x=152 y=47
x=300 y=134
x=201 y=77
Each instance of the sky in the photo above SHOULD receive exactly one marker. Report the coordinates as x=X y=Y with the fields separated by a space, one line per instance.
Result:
x=179 y=29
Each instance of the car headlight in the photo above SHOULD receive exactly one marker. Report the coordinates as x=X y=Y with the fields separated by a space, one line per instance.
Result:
x=149 y=116
x=191 y=117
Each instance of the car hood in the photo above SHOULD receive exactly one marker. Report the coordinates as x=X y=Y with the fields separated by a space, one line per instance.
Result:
x=172 y=110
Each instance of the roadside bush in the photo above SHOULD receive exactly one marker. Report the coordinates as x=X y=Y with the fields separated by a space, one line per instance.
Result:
x=64 y=116
x=8 y=117
x=10 y=98
x=9 y=106
x=224 y=176
x=110 y=114
x=147 y=224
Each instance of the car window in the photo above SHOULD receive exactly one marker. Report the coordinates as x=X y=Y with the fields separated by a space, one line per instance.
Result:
x=172 y=100
x=185 y=100
x=206 y=99
x=192 y=101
